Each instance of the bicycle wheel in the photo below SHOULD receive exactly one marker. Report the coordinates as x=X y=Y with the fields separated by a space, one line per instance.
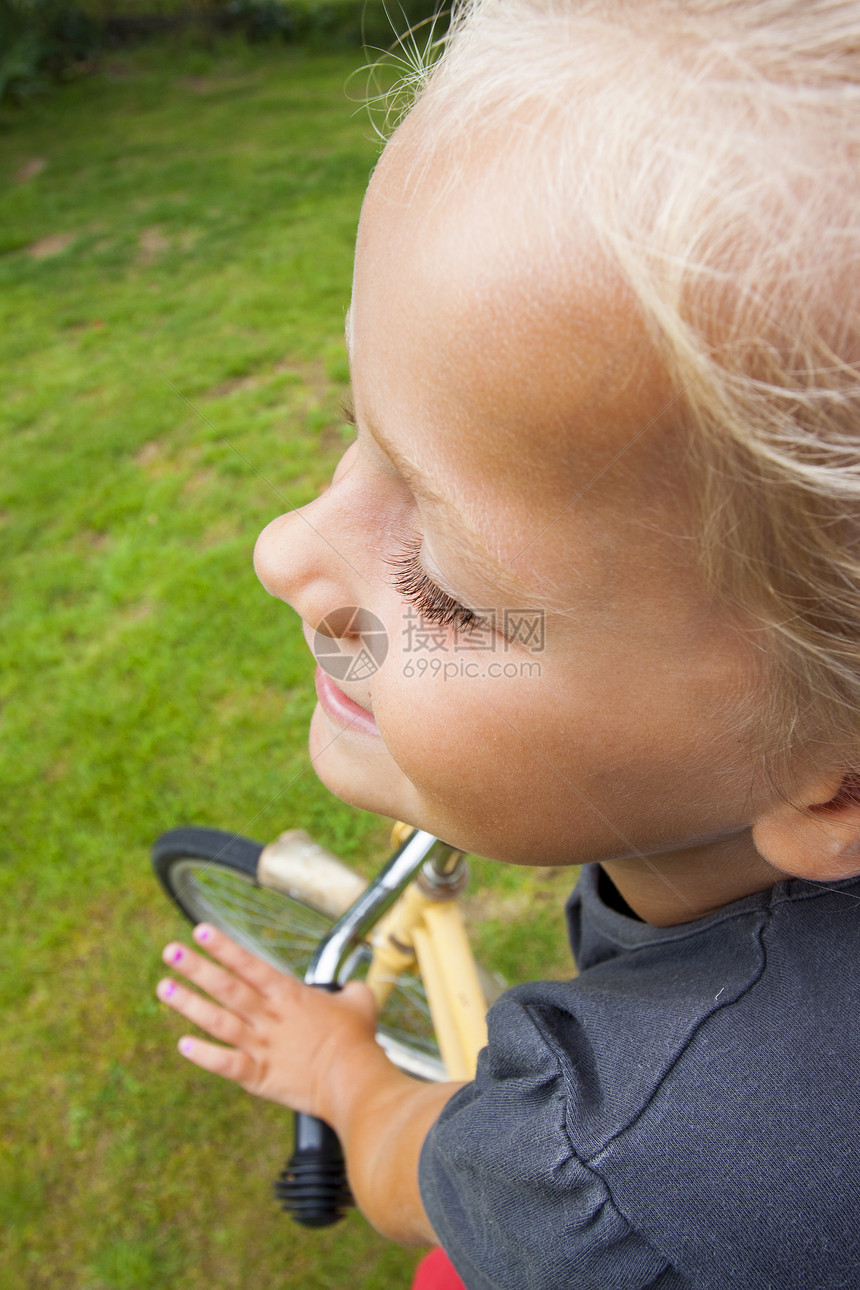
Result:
x=212 y=877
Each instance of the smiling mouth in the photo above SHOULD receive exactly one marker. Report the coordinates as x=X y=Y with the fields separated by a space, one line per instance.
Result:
x=342 y=710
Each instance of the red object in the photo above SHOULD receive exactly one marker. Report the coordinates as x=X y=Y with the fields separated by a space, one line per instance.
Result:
x=436 y=1272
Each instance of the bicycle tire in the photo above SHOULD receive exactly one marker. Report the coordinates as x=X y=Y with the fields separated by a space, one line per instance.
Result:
x=211 y=876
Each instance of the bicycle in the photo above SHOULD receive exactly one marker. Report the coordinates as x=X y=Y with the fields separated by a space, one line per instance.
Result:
x=304 y=911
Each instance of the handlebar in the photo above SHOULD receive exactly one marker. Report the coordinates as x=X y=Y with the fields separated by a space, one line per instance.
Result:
x=313 y=1187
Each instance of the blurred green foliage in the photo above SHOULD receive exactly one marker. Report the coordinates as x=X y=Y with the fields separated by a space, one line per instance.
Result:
x=40 y=41
x=45 y=41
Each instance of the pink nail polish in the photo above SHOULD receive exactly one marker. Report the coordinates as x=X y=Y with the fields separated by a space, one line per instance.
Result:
x=185 y=1046
x=176 y=956
x=166 y=989
x=202 y=933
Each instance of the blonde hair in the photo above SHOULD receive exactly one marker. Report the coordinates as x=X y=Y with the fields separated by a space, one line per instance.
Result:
x=714 y=146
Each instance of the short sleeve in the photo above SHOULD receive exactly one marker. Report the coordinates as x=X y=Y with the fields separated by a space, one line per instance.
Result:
x=512 y=1204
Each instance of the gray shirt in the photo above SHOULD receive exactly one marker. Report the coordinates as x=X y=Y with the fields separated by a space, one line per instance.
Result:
x=685 y=1113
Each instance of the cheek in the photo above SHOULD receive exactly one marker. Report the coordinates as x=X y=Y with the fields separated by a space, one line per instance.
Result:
x=461 y=738
x=582 y=761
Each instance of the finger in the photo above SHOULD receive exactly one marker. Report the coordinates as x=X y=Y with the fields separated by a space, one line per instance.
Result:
x=226 y=988
x=229 y=1063
x=216 y=1021
x=258 y=974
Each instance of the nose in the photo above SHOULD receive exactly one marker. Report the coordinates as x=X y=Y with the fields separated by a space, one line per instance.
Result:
x=313 y=558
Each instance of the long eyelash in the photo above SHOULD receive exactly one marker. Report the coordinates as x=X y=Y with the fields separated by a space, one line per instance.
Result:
x=347 y=411
x=433 y=604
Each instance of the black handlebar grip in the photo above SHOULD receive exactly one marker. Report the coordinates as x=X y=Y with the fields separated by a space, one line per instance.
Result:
x=313 y=1187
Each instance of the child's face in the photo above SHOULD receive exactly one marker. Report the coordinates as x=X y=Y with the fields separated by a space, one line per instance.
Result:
x=509 y=424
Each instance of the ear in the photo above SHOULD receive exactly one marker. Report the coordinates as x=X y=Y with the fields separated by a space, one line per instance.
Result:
x=817 y=834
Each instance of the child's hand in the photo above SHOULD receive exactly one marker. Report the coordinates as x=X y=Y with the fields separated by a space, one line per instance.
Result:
x=315 y=1052
x=285 y=1038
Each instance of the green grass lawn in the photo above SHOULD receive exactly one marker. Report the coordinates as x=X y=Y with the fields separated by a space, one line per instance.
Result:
x=175 y=245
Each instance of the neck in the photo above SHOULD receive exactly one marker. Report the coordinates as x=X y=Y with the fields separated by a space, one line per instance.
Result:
x=680 y=886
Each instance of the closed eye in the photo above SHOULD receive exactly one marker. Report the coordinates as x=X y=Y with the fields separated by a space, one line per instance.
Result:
x=432 y=603
x=413 y=583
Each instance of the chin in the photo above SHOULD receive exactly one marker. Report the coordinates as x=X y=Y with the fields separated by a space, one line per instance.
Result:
x=360 y=775
x=361 y=772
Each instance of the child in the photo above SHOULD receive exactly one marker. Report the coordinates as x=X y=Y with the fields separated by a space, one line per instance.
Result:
x=604 y=351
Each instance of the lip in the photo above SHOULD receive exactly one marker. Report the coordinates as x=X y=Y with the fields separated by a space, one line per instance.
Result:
x=341 y=709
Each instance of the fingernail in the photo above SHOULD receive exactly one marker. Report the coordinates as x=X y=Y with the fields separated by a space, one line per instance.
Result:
x=202 y=933
x=185 y=1046
x=176 y=956
x=166 y=989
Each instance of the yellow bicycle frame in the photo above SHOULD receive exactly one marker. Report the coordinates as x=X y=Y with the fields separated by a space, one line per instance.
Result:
x=425 y=926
